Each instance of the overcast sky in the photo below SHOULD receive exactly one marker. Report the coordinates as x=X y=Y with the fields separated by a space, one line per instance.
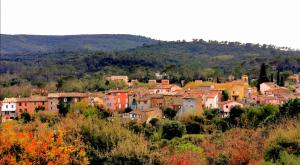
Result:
x=274 y=22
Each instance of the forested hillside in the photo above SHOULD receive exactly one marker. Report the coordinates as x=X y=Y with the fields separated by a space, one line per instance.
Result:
x=12 y=44
x=179 y=60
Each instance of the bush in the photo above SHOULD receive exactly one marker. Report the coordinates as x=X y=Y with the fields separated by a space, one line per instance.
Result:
x=172 y=129
x=25 y=116
x=169 y=113
x=193 y=127
x=285 y=138
x=291 y=108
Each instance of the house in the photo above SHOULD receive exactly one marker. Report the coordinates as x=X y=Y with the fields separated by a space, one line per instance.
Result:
x=96 y=99
x=157 y=101
x=8 y=109
x=164 y=89
x=144 y=116
x=267 y=86
x=116 y=100
x=143 y=103
x=173 y=101
x=294 y=78
x=212 y=100
x=118 y=78
x=191 y=102
x=72 y=97
x=227 y=105
x=134 y=94
x=30 y=105
x=152 y=82
x=237 y=89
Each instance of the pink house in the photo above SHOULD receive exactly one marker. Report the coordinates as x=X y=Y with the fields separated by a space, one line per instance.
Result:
x=116 y=100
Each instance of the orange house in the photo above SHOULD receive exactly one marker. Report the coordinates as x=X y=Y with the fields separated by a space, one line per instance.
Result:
x=116 y=100
x=30 y=104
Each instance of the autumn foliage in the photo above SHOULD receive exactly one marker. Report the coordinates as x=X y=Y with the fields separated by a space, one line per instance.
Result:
x=36 y=143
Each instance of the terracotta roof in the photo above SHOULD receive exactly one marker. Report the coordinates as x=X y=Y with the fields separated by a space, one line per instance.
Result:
x=9 y=100
x=71 y=94
x=230 y=101
x=32 y=99
x=118 y=91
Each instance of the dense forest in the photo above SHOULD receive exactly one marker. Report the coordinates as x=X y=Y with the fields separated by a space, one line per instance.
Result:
x=179 y=60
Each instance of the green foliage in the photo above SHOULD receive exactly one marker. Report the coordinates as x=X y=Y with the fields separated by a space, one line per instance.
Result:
x=259 y=115
x=63 y=107
x=172 y=129
x=210 y=113
x=193 y=127
x=39 y=108
x=234 y=115
x=169 y=113
x=25 y=116
x=224 y=95
x=263 y=77
x=291 y=108
x=127 y=110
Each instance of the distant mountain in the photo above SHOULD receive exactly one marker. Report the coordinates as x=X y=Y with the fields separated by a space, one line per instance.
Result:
x=11 y=44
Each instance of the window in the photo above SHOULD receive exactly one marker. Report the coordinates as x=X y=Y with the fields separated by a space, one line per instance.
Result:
x=20 y=110
x=12 y=106
x=6 y=106
x=25 y=110
x=20 y=104
x=51 y=107
x=25 y=104
x=43 y=102
x=65 y=100
x=226 y=106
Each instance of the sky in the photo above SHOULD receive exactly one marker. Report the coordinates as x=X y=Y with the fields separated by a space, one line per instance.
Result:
x=275 y=22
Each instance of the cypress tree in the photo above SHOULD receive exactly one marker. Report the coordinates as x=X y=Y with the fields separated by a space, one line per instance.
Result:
x=278 y=78
x=262 y=75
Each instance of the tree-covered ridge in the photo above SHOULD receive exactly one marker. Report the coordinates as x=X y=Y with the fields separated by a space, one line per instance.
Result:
x=11 y=44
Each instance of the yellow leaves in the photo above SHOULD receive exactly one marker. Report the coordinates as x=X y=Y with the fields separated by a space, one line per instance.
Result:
x=36 y=143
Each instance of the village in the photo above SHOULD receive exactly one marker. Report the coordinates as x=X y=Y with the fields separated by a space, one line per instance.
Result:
x=147 y=101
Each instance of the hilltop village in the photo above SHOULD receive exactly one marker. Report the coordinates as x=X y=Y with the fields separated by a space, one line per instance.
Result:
x=144 y=101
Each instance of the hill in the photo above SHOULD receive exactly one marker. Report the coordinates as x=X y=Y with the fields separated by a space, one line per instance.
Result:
x=44 y=43
x=179 y=60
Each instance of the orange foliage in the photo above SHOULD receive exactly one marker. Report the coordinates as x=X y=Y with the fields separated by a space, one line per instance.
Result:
x=37 y=144
x=241 y=145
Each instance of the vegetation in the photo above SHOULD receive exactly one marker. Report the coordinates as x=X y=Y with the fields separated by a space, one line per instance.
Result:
x=78 y=70
x=87 y=135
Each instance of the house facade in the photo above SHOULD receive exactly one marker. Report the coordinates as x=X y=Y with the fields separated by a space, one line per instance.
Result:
x=8 y=109
x=116 y=100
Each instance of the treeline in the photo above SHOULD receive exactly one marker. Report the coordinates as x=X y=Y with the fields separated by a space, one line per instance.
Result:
x=178 y=60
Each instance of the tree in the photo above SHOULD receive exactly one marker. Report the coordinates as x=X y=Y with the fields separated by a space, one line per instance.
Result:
x=224 y=95
x=59 y=84
x=63 y=107
x=127 y=110
x=291 y=108
x=172 y=129
x=262 y=75
x=169 y=113
x=278 y=78
x=235 y=114
x=25 y=116
x=193 y=127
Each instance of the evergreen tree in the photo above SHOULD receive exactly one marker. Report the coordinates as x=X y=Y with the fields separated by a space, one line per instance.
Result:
x=278 y=78
x=271 y=78
x=262 y=75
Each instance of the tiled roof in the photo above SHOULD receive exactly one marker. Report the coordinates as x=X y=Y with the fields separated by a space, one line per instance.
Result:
x=9 y=100
x=71 y=94
x=31 y=99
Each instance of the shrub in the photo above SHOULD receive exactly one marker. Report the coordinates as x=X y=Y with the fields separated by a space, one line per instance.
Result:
x=169 y=113
x=284 y=138
x=291 y=108
x=172 y=129
x=25 y=116
x=193 y=127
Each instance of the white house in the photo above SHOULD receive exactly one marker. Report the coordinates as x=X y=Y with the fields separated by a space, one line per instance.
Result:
x=227 y=105
x=8 y=109
x=212 y=100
